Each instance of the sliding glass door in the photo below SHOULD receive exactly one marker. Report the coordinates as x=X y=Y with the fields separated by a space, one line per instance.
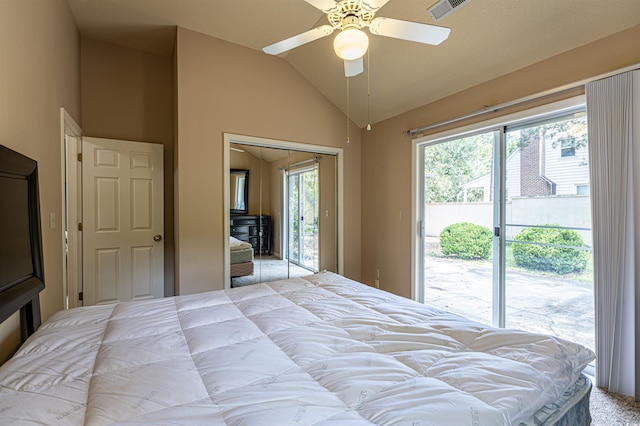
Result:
x=549 y=268
x=458 y=219
x=504 y=225
x=302 y=203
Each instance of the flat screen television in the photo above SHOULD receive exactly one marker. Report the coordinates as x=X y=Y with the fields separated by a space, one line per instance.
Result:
x=21 y=269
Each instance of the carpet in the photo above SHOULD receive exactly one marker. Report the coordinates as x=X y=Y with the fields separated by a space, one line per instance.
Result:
x=612 y=409
x=270 y=268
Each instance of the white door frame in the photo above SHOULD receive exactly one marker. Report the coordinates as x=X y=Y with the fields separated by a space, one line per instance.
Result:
x=287 y=218
x=71 y=235
x=230 y=138
x=417 y=170
x=70 y=134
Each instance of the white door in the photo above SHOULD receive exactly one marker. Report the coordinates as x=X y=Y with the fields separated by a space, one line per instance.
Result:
x=123 y=222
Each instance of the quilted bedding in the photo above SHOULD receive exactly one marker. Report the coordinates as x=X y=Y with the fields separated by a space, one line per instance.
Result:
x=320 y=350
x=240 y=251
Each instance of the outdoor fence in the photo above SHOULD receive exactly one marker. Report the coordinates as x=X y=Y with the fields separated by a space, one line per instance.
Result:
x=570 y=211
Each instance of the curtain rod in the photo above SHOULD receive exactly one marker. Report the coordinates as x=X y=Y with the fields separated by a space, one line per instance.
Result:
x=537 y=96
x=300 y=163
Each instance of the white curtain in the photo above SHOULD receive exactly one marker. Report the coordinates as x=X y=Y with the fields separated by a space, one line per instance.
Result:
x=613 y=108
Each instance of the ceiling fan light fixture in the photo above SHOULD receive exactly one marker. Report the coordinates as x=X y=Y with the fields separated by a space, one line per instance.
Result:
x=351 y=43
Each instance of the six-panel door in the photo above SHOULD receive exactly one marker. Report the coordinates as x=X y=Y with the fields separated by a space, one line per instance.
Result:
x=123 y=250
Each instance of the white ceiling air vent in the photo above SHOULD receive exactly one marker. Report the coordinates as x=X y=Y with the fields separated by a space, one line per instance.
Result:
x=444 y=8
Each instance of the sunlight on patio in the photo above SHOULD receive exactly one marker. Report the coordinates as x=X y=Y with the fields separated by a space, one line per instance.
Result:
x=551 y=304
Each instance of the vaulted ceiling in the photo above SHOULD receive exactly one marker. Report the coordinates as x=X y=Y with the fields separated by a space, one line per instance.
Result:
x=489 y=38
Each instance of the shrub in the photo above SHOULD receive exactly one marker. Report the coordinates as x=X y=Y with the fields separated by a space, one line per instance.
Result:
x=560 y=260
x=466 y=240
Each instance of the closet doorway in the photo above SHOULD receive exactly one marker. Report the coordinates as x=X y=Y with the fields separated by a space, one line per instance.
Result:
x=291 y=226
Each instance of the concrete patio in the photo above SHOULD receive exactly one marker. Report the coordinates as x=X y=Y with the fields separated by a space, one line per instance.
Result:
x=550 y=305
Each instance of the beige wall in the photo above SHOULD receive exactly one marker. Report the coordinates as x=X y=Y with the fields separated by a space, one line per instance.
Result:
x=39 y=74
x=222 y=87
x=328 y=213
x=386 y=161
x=128 y=94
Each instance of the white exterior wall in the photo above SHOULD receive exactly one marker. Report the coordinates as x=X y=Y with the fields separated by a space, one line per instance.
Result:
x=567 y=210
x=512 y=183
x=440 y=215
x=570 y=211
x=513 y=175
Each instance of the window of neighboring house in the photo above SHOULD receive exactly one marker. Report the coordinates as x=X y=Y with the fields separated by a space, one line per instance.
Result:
x=568 y=149
x=582 y=189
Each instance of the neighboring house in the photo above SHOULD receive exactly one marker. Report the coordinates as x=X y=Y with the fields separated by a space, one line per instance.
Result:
x=538 y=171
x=568 y=168
x=484 y=182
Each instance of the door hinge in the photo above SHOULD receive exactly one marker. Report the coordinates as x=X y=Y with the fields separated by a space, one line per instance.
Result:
x=80 y=226
x=81 y=296
x=80 y=157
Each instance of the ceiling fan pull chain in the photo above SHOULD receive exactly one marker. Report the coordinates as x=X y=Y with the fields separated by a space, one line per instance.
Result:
x=348 y=113
x=369 y=89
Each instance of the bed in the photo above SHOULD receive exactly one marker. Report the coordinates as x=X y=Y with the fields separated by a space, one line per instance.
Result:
x=240 y=258
x=319 y=350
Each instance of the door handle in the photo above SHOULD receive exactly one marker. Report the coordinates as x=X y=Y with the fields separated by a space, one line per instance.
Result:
x=157 y=237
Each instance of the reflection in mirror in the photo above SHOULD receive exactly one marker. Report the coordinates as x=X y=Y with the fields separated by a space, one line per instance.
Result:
x=302 y=203
x=291 y=219
x=239 y=191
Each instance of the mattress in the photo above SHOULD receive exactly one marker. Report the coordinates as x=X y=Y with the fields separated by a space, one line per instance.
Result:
x=321 y=350
x=240 y=251
x=571 y=409
x=241 y=256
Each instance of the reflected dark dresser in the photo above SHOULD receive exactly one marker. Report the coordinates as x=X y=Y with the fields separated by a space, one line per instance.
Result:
x=256 y=230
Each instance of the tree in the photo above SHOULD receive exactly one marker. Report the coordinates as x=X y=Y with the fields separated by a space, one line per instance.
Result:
x=450 y=165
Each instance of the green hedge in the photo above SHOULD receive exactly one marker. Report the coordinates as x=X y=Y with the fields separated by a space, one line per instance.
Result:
x=466 y=240
x=547 y=258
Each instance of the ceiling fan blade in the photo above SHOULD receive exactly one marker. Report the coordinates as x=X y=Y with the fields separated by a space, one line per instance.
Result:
x=373 y=5
x=353 y=67
x=298 y=40
x=324 y=5
x=406 y=30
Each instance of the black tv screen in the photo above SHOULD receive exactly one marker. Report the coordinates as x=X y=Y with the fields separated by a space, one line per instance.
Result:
x=20 y=238
x=15 y=242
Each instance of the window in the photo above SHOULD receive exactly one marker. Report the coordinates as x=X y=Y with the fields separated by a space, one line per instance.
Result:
x=582 y=189
x=568 y=148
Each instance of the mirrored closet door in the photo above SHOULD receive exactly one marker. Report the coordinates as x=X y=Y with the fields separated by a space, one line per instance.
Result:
x=283 y=213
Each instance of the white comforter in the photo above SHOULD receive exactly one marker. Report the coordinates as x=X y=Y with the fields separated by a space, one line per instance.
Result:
x=322 y=350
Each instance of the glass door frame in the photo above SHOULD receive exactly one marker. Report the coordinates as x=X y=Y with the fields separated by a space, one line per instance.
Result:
x=499 y=126
x=287 y=175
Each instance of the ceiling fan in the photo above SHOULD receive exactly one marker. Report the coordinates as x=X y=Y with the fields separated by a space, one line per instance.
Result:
x=350 y=16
